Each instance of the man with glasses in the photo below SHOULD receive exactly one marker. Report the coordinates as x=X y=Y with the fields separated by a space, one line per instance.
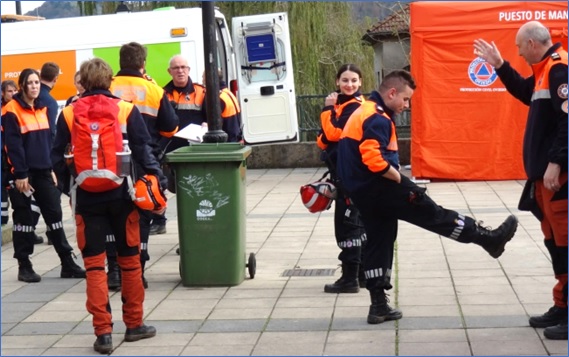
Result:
x=187 y=98
x=544 y=150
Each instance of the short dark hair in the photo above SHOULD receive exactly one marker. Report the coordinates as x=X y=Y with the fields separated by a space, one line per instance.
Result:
x=397 y=79
x=96 y=74
x=8 y=83
x=49 y=71
x=26 y=73
x=348 y=67
x=132 y=56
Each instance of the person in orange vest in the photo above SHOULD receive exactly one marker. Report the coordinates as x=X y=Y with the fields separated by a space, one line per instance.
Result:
x=187 y=98
x=368 y=168
x=28 y=144
x=113 y=210
x=348 y=229
x=9 y=88
x=230 y=111
x=158 y=221
x=544 y=150
x=159 y=116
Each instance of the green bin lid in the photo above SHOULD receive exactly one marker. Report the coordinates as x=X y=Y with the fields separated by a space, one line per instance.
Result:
x=216 y=152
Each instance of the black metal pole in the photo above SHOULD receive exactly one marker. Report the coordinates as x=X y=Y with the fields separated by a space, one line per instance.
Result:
x=214 y=134
x=18 y=8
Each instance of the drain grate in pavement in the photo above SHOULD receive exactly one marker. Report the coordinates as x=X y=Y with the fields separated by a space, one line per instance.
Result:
x=309 y=272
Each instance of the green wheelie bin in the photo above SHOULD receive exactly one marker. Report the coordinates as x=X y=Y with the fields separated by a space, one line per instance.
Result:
x=210 y=197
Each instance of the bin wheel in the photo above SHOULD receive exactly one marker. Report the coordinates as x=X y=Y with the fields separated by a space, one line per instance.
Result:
x=252 y=265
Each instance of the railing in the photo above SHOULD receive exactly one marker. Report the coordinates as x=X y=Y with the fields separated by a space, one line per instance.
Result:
x=310 y=106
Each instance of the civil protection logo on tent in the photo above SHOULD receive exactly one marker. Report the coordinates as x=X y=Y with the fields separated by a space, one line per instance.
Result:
x=481 y=72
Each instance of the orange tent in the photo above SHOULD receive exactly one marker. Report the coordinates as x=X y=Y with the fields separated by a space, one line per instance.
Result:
x=465 y=125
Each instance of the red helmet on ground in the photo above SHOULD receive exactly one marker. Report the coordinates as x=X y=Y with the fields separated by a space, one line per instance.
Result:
x=148 y=195
x=318 y=196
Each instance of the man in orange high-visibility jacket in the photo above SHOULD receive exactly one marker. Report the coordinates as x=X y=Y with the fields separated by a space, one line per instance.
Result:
x=230 y=112
x=161 y=120
x=544 y=151
x=186 y=97
x=368 y=167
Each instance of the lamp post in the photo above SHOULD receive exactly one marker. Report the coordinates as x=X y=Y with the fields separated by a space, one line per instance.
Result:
x=214 y=134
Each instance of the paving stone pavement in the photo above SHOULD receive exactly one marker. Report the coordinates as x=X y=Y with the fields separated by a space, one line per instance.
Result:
x=456 y=300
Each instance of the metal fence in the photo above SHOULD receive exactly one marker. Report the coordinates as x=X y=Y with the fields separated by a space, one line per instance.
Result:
x=310 y=106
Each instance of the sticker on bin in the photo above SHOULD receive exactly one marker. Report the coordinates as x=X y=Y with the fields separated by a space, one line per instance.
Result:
x=205 y=211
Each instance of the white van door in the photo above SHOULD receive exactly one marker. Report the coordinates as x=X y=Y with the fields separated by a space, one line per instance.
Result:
x=265 y=78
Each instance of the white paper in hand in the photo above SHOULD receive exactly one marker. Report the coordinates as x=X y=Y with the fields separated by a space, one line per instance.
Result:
x=193 y=133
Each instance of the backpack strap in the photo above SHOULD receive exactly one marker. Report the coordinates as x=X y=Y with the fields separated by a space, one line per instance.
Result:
x=73 y=195
x=130 y=186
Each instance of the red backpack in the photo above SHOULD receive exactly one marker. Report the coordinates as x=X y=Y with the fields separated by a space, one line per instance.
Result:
x=96 y=144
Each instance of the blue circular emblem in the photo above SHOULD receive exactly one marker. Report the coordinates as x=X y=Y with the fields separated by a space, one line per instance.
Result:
x=481 y=72
x=94 y=126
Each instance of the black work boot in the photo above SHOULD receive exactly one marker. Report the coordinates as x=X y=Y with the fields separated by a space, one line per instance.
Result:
x=379 y=310
x=139 y=333
x=104 y=343
x=494 y=241
x=69 y=269
x=144 y=281
x=157 y=229
x=557 y=332
x=113 y=274
x=37 y=239
x=348 y=282
x=26 y=273
x=552 y=317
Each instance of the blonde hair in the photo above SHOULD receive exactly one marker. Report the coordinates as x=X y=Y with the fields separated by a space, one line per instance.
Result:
x=96 y=74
